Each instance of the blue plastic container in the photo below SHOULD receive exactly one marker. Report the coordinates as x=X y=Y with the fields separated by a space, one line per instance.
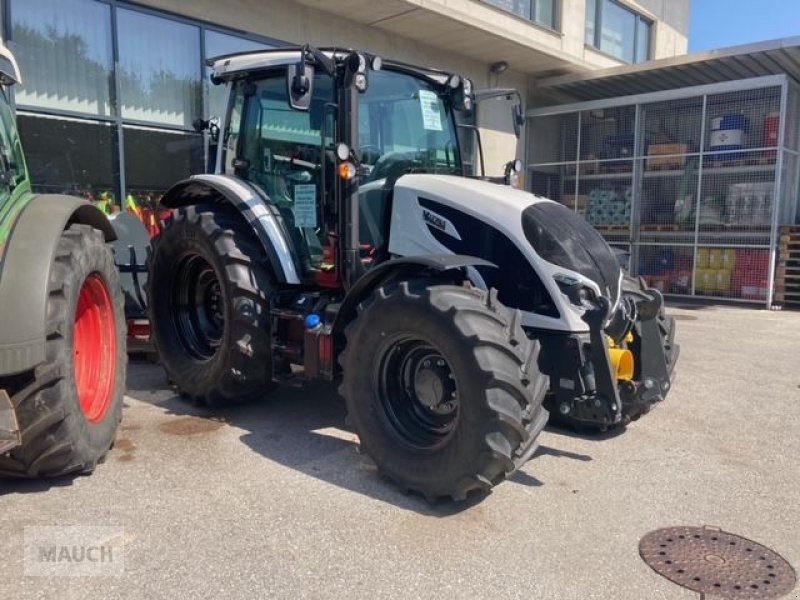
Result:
x=728 y=134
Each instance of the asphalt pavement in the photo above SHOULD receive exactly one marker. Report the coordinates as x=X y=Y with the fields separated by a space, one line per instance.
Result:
x=273 y=499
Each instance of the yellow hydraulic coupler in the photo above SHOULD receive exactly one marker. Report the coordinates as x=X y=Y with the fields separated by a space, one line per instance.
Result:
x=621 y=359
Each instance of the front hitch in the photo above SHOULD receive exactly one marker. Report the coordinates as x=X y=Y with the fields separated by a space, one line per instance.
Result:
x=606 y=400
x=582 y=373
x=603 y=394
x=656 y=354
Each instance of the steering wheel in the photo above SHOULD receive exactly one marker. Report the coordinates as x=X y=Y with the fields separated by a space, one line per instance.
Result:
x=391 y=160
x=374 y=152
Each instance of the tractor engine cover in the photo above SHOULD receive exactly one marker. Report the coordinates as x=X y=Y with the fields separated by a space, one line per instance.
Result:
x=535 y=242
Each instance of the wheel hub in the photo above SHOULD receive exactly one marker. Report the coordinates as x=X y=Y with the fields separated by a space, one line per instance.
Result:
x=434 y=385
x=417 y=391
x=198 y=310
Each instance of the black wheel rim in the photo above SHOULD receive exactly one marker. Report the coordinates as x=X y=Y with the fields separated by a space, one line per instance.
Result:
x=197 y=307
x=416 y=390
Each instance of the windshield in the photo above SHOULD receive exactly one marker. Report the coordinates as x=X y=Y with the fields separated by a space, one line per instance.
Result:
x=405 y=126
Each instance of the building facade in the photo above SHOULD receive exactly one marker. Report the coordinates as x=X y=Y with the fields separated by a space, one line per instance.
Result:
x=111 y=88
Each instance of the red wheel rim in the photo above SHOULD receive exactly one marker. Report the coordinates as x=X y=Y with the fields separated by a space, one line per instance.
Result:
x=95 y=348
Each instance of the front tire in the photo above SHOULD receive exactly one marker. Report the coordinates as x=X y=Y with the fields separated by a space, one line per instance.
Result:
x=208 y=298
x=68 y=408
x=442 y=387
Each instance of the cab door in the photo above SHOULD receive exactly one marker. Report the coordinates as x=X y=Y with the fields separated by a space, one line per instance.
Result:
x=282 y=151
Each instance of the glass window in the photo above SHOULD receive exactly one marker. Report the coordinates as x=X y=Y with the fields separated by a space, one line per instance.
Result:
x=157 y=159
x=85 y=164
x=539 y=11
x=64 y=51
x=231 y=135
x=409 y=124
x=521 y=8
x=544 y=12
x=219 y=44
x=643 y=40
x=159 y=69
x=281 y=152
x=618 y=31
x=591 y=20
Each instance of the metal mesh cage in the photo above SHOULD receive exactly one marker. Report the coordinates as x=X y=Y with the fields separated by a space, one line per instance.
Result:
x=666 y=267
x=736 y=200
x=608 y=135
x=748 y=119
x=554 y=182
x=670 y=130
x=605 y=197
x=792 y=114
x=554 y=139
x=668 y=199
x=692 y=186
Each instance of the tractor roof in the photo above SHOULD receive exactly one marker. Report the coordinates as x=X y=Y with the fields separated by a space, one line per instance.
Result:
x=9 y=70
x=232 y=66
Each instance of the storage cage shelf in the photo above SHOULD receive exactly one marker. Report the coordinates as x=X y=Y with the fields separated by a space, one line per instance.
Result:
x=693 y=183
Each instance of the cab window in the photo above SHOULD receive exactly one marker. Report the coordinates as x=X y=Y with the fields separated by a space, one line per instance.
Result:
x=279 y=149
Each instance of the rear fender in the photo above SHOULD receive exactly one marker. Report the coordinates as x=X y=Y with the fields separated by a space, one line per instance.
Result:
x=254 y=206
x=26 y=272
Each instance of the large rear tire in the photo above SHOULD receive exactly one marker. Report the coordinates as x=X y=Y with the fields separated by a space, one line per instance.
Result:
x=209 y=306
x=442 y=387
x=68 y=408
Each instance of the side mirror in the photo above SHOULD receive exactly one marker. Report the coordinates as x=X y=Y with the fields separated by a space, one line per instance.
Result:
x=518 y=118
x=212 y=126
x=512 y=171
x=300 y=85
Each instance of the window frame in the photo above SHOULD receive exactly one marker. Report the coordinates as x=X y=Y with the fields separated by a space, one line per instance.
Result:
x=640 y=20
x=555 y=27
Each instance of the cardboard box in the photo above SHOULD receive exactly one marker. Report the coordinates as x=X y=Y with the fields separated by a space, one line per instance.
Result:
x=661 y=156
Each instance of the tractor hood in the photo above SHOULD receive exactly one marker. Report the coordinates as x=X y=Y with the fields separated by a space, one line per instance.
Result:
x=511 y=228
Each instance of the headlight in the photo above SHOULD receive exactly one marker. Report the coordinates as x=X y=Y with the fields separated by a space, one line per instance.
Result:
x=574 y=289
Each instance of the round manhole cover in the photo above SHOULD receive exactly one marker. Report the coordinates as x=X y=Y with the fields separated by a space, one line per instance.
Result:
x=717 y=563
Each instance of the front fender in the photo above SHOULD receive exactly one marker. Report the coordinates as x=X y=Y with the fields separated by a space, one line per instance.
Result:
x=396 y=269
x=254 y=206
x=26 y=272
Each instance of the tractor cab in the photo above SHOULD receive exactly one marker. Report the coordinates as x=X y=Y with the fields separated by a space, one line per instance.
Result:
x=326 y=138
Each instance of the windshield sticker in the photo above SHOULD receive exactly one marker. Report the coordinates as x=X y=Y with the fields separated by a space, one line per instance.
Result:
x=305 y=205
x=431 y=117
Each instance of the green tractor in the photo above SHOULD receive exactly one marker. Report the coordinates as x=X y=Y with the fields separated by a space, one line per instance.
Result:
x=62 y=334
